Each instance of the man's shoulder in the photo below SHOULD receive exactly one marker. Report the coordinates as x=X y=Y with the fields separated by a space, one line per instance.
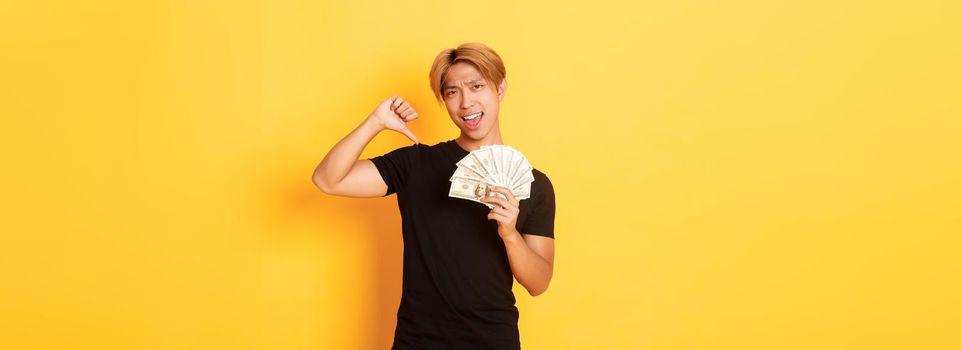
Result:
x=540 y=175
x=542 y=183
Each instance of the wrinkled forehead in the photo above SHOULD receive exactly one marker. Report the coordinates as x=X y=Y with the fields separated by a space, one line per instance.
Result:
x=462 y=74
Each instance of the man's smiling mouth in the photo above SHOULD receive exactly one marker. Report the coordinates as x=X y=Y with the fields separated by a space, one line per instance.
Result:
x=470 y=117
x=472 y=121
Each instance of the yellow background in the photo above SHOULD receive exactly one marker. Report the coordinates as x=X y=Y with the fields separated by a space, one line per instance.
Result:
x=729 y=174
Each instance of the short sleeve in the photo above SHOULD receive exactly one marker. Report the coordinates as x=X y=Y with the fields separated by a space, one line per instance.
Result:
x=541 y=219
x=394 y=167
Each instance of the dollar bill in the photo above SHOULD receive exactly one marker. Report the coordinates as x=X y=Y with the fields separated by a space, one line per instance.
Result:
x=467 y=173
x=472 y=190
x=472 y=163
x=485 y=157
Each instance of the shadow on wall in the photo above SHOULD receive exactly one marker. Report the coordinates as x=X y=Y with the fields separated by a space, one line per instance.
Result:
x=378 y=221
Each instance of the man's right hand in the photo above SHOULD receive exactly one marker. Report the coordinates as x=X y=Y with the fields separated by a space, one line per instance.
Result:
x=394 y=114
x=342 y=174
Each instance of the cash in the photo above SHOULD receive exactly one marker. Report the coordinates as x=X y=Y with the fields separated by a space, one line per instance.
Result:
x=492 y=165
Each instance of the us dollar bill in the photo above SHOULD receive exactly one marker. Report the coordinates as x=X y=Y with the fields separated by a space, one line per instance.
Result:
x=472 y=163
x=472 y=190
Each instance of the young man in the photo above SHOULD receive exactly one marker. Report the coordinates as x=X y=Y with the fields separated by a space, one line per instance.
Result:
x=460 y=257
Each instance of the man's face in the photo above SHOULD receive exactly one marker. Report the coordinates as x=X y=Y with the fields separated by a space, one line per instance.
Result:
x=472 y=101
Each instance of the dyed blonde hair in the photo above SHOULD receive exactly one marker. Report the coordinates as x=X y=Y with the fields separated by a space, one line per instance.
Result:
x=483 y=58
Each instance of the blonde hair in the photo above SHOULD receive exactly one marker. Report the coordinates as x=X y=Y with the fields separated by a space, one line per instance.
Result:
x=483 y=58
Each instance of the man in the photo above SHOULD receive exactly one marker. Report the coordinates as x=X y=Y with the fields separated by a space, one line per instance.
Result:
x=460 y=257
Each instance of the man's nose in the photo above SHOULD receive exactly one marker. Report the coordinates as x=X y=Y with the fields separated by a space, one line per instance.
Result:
x=466 y=102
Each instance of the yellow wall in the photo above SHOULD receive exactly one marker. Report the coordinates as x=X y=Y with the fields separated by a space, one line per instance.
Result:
x=729 y=174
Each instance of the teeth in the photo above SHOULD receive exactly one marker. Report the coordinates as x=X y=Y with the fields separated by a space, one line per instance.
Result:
x=472 y=116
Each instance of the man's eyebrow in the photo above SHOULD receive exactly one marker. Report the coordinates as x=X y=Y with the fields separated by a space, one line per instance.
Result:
x=468 y=83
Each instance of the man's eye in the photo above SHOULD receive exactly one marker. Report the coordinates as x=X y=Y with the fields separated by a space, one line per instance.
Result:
x=451 y=92
x=477 y=85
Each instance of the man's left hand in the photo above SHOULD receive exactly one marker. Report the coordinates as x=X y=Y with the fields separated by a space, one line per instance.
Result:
x=505 y=211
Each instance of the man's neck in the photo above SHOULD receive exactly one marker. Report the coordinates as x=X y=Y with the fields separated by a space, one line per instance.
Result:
x=494 y=138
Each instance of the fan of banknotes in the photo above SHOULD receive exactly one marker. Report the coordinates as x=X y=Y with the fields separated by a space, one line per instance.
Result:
x=492 y=165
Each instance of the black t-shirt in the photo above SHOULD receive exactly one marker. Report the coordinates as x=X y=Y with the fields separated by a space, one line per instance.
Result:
x=457 y=279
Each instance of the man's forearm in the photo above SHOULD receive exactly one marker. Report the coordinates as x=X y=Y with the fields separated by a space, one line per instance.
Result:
x=338 y=161
x=530 y=269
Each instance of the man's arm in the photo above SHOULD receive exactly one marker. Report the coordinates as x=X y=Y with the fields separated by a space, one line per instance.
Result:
x=340 y=173
x=532 y=261
x=531 y=256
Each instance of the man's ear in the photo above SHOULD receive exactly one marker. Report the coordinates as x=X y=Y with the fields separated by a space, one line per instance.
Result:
x=501 y=89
